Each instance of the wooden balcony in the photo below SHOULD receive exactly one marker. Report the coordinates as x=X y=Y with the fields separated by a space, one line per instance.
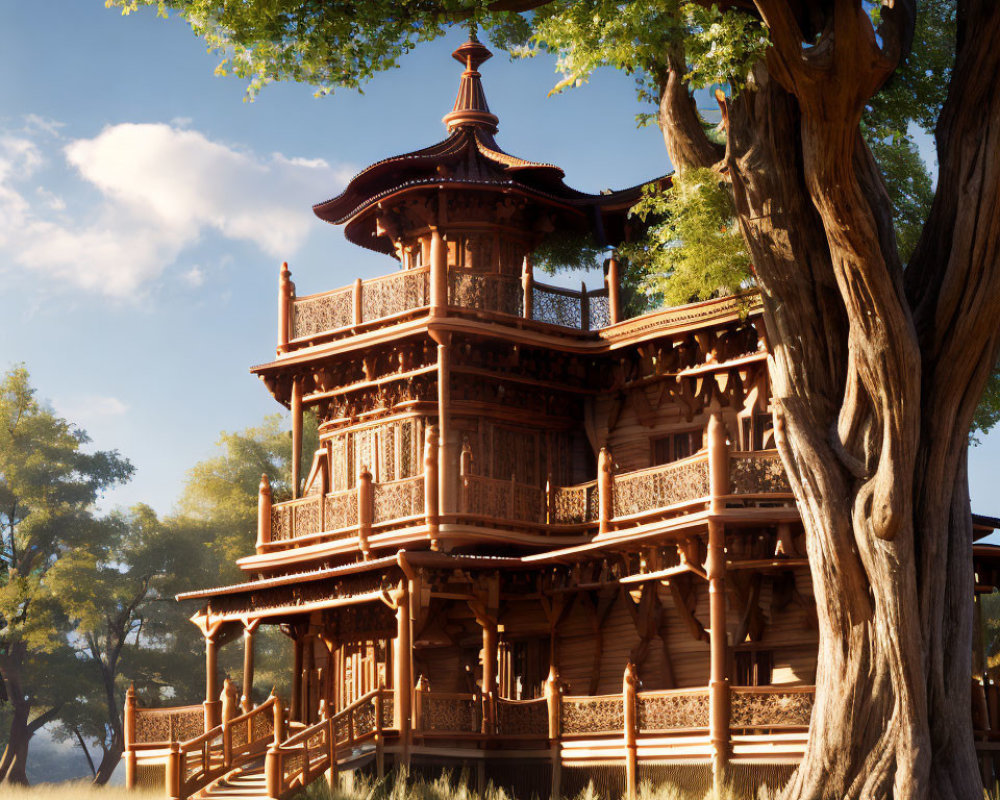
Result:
x=638 y=497
x=389 y=299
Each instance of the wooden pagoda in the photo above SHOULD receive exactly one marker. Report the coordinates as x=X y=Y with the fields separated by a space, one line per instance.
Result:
x=534 y=533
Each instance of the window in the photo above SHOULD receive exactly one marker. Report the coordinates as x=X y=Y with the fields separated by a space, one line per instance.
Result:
x=675 y=446
x=758 y=431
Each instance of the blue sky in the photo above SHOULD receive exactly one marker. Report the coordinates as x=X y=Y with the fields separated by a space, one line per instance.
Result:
x=145 y=208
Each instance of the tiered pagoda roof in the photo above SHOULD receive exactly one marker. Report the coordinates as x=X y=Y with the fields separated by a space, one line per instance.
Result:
x=470 y=158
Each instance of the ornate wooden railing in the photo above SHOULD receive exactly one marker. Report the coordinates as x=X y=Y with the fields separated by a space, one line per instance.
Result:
x=664 y=485
x=409 y=291
x=485 y=291
x=659 y=712
x=447 y=712
x=363 y=302
x=522 y=718
x=757 y=472
x=300 y=759
x=771 y=706
x=157 y=727
x=592 y=716
x=671 y=488
x=195 y=763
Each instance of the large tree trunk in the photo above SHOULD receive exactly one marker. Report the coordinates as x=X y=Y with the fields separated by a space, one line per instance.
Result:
x=873 y=401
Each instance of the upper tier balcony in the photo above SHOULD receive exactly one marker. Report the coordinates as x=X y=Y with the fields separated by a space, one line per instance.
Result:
x=410 y=293
x=393 y=514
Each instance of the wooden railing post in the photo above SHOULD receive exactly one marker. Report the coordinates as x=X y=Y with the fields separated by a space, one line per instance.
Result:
x=431 y=488
x=249 y=633
x=550 y=501
x=212 y=705
x=439 y=273
x=172 y=778
x=613 y=279
x=131 y=759
x=605 y=490
x=629 y=687
x=286 y=294
x=278 y=710
x=272 y=772
x=379 y=737
x=553 y=703
x=422 y=688
x=403 y=676
x=264 y=503
x=366 y=508
x=584 y=308
x=527 y=280
x=464 y=471
x=356 y=305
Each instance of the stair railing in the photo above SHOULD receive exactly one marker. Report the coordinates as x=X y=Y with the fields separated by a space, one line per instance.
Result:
x=194 y=764
x=300 y=759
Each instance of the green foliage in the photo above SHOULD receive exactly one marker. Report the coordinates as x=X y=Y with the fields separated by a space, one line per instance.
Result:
x=693 y=249
x=565 y=250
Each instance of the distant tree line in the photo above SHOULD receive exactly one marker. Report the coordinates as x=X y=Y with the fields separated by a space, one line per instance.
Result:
x=87 y=598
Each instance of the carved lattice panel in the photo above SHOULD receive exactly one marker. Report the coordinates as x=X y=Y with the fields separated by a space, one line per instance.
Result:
x=444 y=713
x=600 y=310
x=327 y=312
x=758 y=473
x=522 y=717
x=155 y=725
x=341 y=510
x=399 y=499
x=487 y=292
x=393 y=294
x=592 y=715
x=664 y=712
x=659 y=487
x=574 y=504
x=307 y=518
x=556 y=306
x=765 y=709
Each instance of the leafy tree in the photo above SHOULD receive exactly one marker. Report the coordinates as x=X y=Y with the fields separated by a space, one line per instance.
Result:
x=878 y=369
x=48 y=485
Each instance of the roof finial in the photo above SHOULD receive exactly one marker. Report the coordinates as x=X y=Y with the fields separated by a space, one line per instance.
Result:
x=470 y=107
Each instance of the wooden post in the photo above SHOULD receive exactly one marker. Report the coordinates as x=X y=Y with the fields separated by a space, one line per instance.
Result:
x=308 y=674
x=613 y=279
x=131 y=759
x=447 y=447
x=229 y=699
x=366 y=508
x=278 y=710
x=272 y=772
x=605 y=490
x=718 y=698
x=213 y=707
x=296 y=435
x=379 y=736
x=333 y=773
x=718 y=461
x=553 y=702
x=527 y=280
x=550 y=501
x=356 y=305
x=295 y=706
x=403 y=677
x=422 y=688
x=489 y=674
x=249 y=631
x=464 y=471
x=263 y=513
x=431 y=490
x=172 y=779
x=439 y=273
x=629 y=687
x=286 y=291
x=584 y=308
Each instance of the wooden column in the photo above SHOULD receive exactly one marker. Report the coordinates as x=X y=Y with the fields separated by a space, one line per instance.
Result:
x=356 y=302
x=527 y=280
x=553 y=703
x=286 y=294
x=719 y=682
x=715 y=567
x=402 y=672
x=605 y=490
x=295 y=706
x=366 y=510
x=613 y=279
x=432 y=495
x=439 y=273
x=584 y=307
x=489 y=674
x=249 y=633
x=308 y=673
x=296 y=435
x=629 y=688
x=448 y=447
x=212 y=705
x=128 y=718
x=263 y=513
x=272 y=778
x=230 y=701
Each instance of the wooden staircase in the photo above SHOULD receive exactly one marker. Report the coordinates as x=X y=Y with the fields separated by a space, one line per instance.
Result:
x=244 y=783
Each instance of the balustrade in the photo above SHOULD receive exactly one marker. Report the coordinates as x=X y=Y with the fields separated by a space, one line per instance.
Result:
x=630 y=496
x=407 y=291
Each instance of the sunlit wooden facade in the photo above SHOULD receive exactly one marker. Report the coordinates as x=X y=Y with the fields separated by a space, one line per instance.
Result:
x=535 y=533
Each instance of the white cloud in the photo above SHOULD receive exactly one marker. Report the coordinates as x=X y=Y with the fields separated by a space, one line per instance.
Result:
x=194 y=277
x=86 y=409
x=162 y=188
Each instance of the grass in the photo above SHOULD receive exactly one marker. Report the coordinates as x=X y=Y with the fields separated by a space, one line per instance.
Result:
x=75 y=790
